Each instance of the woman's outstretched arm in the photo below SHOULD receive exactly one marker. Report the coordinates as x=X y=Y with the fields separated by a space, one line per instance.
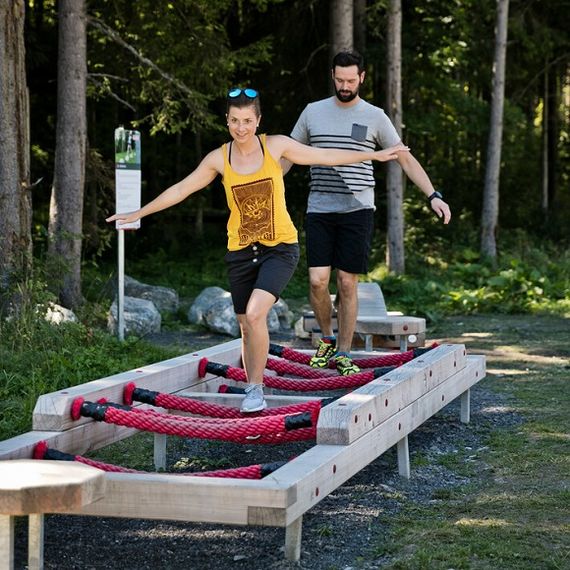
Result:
x=205 y=172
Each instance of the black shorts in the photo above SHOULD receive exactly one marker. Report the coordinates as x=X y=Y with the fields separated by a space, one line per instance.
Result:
x=340 y=241
x=259 y=266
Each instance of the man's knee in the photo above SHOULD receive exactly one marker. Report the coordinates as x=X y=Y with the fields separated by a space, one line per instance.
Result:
x=347 y=283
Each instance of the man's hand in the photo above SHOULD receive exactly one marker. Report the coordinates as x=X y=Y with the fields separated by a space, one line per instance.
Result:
x=441 y=209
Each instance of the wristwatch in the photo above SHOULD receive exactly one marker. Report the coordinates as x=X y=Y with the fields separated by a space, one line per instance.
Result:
x=435 y=194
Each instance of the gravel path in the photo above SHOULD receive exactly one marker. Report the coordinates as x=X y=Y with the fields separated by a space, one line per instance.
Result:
x=337 y=532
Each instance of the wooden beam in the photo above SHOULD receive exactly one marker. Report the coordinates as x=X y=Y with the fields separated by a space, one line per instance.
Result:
x=52 y=411
x=353 y=415
x=199 y=499
x=323 y=468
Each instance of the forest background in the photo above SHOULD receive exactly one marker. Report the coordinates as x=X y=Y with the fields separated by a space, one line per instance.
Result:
x=74 y=71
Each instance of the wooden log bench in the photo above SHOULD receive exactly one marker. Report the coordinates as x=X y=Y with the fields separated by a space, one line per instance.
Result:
x=375 y=325
x=33 y=488
x=351 y=432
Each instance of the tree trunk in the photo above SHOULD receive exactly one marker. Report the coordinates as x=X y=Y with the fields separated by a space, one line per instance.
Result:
x=490 y=213
x=66 y=206
x=395 y=256
x=545 y=138
x=360 y=25
x=341 y=26
x=15 y=195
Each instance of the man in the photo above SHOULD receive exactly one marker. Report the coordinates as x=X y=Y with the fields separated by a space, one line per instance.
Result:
x=340 y=211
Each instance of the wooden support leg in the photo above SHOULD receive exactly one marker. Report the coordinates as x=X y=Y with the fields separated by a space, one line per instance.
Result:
x=403 y=458
x=466 y=406
x=6 y=542
x=159 y=451
x=368 y=344
x=36 y=541
x=403 y=343
x=293 y=540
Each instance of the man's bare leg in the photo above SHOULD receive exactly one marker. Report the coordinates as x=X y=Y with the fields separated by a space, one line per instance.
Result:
x=347 y=311
x=320 y=298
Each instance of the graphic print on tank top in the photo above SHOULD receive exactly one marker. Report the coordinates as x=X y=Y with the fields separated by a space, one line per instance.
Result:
x=255 y=204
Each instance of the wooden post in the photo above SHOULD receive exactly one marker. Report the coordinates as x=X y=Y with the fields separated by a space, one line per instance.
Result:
x=466 y=406
x=36 y=541
x=159 y=451
x=293 y=534
x=7 y=542
x=403 y=458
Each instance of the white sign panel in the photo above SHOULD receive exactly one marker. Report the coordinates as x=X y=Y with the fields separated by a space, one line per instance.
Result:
x=127 y=174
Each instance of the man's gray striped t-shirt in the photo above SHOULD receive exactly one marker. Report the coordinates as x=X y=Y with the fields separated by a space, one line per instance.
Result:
x=361 y=127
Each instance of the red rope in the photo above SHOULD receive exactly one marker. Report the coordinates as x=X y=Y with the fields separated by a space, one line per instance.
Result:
x=173 y=402
x=41 y=451
x=395 y=359
x=285 y=367
x=330 y=383
x=236 y=430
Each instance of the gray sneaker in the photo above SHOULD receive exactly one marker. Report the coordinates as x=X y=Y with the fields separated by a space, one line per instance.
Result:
x=254 y=400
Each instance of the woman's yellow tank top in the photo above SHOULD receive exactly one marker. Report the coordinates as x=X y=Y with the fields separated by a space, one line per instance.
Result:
x=258 y=212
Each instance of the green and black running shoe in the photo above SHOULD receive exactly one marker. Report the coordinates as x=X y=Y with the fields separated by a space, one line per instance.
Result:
x=325 y=351
x=344 y=364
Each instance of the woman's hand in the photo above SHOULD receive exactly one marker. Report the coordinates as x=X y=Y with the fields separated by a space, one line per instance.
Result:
x=127 y=218
x=390 y=153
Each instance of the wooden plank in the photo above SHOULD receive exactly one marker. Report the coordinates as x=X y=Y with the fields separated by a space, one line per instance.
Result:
x=371 y=324
x=78 y=441
x=29 y=486
x=323 y=468
x=52 y=411
x=351 y=416
x=176 y=497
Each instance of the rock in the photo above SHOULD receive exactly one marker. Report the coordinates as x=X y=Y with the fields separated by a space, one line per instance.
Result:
x=141 y=317
x=165 y=299
x=284 y=315
x=203 y=302
x=220 y=317
x=213 y=308
x=56 y=314
x=300 y=331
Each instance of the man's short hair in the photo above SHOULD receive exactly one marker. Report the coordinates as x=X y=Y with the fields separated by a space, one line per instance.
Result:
x=346 y=58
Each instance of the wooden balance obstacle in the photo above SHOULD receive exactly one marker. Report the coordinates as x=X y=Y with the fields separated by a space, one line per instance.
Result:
x=351 y=433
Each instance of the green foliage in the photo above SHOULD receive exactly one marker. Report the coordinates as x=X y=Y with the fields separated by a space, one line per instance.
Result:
x=39 y=357
x=528 y=278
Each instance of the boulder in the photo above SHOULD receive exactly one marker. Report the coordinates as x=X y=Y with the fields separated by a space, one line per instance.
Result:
x=203 y=302
x=220 y=317
x=165 y=299
x=283 y=313
x=141 y=317
x=56 y=314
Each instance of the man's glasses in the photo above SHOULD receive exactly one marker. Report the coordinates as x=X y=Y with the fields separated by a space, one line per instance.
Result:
x=251 y=93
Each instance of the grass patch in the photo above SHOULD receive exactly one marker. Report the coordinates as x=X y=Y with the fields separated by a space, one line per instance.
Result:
x=515 y=513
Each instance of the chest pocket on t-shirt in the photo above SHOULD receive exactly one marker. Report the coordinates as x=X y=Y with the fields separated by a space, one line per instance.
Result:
x=359 y=132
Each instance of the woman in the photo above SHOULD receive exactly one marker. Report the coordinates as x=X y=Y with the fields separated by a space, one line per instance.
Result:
x=262 y=241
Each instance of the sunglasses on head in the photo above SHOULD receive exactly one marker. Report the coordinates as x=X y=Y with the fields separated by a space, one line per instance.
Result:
x=251 y=93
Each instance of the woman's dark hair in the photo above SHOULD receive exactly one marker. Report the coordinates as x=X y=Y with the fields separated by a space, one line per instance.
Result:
x=242 y=100
x=347 y=58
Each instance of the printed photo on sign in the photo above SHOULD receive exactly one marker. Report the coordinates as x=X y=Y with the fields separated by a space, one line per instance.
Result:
x=127 y=148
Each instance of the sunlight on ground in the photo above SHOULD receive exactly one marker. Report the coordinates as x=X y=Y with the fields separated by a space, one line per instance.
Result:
x=506 y=372
x=498 y=410
x=478 y=335
x=483 y=522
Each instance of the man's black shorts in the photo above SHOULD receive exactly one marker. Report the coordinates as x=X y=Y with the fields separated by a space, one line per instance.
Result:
x=259 y=266
x=341 y=241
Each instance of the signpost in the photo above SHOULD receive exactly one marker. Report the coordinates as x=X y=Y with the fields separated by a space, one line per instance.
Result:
x=127 y=199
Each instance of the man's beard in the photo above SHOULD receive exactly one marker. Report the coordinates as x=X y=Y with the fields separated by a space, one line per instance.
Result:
x=346 y=97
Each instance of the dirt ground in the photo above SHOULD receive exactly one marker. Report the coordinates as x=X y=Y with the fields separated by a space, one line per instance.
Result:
x=339 y=533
